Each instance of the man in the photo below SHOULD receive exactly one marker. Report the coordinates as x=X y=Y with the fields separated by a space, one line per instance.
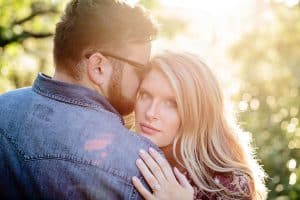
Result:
x=64 y=137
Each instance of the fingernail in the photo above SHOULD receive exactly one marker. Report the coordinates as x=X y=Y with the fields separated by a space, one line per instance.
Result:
x=151 y=149
x=175 y=169
x=139 y=161
x=134 y=178
x=142 y=151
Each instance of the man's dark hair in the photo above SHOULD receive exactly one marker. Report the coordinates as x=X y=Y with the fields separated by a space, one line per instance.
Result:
x=96 y=24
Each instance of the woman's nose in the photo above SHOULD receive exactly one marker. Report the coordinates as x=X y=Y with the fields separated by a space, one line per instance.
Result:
x=152 y=111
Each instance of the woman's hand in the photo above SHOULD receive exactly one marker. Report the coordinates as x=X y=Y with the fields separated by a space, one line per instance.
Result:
x=161 y=179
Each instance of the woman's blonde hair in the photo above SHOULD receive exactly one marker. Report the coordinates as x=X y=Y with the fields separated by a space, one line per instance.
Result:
x=208 y=141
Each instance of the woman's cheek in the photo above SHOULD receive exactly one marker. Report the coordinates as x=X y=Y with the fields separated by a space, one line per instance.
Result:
x=138 y=111
x=171 y=124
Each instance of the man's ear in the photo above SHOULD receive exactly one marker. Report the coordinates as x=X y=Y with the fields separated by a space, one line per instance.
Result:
x=97 y=68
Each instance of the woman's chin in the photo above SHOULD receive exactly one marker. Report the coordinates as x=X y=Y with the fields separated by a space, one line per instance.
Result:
x=149 y=137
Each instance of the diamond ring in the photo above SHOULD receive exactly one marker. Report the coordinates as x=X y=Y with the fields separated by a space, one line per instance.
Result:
x=156 y=187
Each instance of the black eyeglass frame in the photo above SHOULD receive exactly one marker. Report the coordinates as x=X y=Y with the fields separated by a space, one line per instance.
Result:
x=138 y=66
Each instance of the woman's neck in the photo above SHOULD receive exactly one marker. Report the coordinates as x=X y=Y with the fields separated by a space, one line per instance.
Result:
x=168 y=151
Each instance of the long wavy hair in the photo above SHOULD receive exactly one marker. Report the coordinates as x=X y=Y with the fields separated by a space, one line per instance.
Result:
x=209 y=141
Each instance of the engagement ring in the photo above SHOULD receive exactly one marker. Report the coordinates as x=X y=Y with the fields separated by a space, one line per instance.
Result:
x=156 y=187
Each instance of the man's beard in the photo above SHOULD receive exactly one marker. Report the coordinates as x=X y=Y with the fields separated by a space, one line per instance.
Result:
x=123 y=105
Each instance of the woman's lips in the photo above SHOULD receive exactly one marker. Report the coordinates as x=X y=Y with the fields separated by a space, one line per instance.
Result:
x=147 y=129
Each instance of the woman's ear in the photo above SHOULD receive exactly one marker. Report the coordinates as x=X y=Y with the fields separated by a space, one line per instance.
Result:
x=97 y=68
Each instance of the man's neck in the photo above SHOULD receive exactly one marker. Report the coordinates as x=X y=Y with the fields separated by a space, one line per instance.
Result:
x=64 y=78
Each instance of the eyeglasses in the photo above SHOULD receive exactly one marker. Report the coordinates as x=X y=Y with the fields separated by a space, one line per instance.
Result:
x=136 y=65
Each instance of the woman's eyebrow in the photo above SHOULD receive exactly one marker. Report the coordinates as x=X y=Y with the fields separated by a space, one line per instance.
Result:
x=168 y=97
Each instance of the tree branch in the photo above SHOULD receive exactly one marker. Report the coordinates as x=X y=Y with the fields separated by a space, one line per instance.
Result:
x=27 y=34
x=34 y=14
x=23 y=36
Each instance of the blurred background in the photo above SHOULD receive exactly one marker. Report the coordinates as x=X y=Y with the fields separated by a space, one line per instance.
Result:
x=253 y=46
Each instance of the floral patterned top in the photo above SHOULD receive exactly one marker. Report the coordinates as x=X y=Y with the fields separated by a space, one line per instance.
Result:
x=234 y=182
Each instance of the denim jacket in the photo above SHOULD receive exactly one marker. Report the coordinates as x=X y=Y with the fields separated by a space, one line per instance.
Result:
x=64 y=141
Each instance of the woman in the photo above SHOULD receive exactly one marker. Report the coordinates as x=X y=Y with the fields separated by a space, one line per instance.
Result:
x=180 y=108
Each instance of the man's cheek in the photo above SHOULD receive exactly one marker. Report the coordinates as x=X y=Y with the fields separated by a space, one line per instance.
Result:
x=131 y=85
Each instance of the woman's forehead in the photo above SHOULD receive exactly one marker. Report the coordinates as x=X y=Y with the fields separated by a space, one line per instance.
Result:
x=156 y=83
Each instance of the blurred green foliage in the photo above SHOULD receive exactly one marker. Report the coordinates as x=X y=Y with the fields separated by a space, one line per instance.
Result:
x=26 y=27
x=268 y=56
x=269 y=59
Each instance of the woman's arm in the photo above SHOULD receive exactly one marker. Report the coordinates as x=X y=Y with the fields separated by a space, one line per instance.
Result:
x=161 y=179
